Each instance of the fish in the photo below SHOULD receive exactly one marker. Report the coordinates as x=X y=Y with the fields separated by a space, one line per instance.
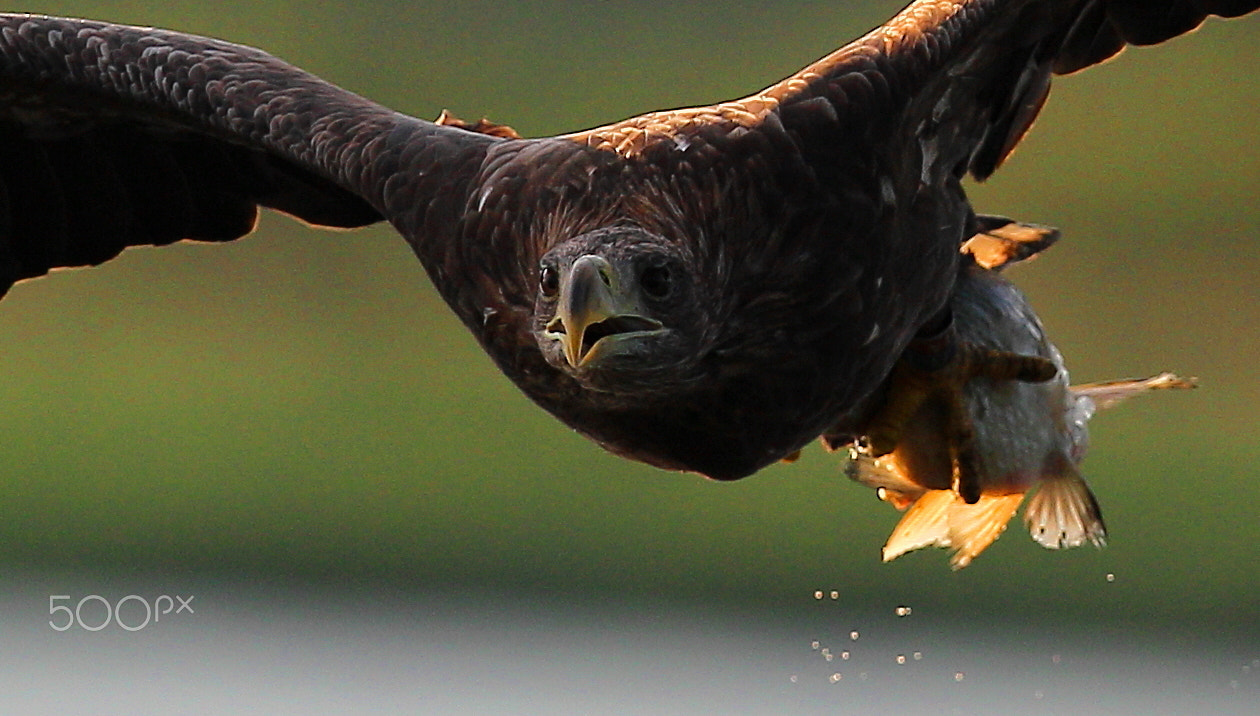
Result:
x=1029 y=437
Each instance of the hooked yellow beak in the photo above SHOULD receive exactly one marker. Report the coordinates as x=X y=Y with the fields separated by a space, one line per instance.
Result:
x=595 y=311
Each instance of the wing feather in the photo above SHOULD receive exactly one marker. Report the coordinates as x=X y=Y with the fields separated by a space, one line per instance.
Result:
x=986 y=65
x=967 y=77
x=114 y=136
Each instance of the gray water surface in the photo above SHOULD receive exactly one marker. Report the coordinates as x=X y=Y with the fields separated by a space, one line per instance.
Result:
x=250 y=648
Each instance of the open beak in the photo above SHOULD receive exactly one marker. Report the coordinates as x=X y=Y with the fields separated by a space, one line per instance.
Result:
x=595 y=311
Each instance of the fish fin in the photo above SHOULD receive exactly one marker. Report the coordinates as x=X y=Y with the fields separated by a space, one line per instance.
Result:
x=925 y=524
x=940 y=518
x=889 y=483
x=974 y=527
x=1109 y=393
x=1063 y=513
x=1000 y=241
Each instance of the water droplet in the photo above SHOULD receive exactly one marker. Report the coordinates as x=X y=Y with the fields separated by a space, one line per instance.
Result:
x=864 y=676
x=844 y=655
x=903 y=611
x=1039 y=695
x=853 y=635
x=836 y=677
x=959 y=676
x=1111 y=577
x=829 y=657
x=815 y=645
x=818 y=594
x=1056 y=658
x=918 y=656
x=901 y=658
x=835 y=594
x=792 y=678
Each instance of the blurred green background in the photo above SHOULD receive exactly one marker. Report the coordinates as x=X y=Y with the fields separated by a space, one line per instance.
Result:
x=301 y=406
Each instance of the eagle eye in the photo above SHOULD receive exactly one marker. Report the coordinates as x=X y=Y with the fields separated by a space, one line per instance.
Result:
x=656 y=281
x=549 y=281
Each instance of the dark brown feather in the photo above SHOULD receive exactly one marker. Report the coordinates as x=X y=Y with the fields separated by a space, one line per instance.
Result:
x=122 y=136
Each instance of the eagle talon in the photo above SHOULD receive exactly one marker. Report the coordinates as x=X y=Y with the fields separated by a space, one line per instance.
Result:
x=910 y=386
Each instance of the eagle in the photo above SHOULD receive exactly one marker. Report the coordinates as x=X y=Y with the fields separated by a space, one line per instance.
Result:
x=706 y=289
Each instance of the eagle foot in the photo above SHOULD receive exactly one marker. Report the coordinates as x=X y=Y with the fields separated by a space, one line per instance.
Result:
x=939 y=368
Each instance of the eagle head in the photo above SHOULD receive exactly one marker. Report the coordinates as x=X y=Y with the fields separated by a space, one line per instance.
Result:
x=618 y=309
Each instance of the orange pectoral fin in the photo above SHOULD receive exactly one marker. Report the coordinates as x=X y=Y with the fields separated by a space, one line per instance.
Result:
x=940 y=518
x=925 y=524
x=973 y=528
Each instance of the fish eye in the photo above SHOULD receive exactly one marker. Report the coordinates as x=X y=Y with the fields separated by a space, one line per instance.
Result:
x=656 y=281
x=549 y=281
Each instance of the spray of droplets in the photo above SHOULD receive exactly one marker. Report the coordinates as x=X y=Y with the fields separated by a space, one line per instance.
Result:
x=901 y=611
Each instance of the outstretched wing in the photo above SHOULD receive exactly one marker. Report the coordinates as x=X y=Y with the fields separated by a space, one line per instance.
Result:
x=114 y=136
x=957 y=83
x=944 y=88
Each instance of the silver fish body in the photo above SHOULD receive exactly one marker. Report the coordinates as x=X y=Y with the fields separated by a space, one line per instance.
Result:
x=1029 y=438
